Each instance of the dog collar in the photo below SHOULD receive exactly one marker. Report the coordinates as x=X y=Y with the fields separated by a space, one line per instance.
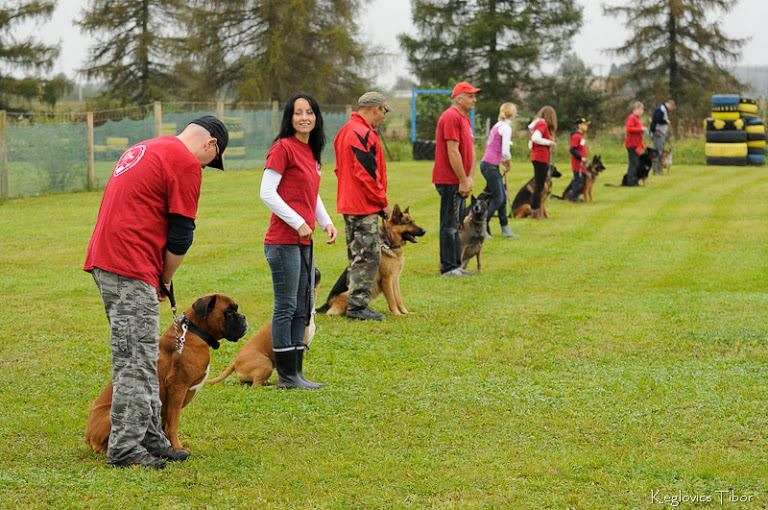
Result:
x=191 y=326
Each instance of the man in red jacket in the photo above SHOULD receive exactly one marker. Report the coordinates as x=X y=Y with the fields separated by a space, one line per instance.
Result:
x=633 y=141
x=361 y=197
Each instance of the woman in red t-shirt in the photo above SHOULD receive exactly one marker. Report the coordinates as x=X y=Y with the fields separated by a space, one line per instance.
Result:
x=633 y=141
x=290 y=189
x=543 y=129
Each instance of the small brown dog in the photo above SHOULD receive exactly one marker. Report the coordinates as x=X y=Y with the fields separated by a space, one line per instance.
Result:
x=255 y=361
x=180 y=375
x=395 y=233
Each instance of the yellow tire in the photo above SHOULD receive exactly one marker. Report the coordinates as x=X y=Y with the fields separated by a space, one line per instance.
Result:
x=726 y=115
x=748 y=108
x=725 y=150
x=756 y=144
x=757 y=128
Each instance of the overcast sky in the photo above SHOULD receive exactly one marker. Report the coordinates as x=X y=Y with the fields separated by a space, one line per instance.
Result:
x=382 y=20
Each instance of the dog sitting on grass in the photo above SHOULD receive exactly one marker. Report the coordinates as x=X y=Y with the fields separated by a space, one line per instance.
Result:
x=472 y=231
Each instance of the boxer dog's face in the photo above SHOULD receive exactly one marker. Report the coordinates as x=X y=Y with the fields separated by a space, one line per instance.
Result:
x=220 y=315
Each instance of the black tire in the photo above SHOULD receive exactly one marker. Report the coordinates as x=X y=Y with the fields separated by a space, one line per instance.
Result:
x=724 y=125
x=726 y=136
x=755 y=150
x=727 y=161
x=755 y=136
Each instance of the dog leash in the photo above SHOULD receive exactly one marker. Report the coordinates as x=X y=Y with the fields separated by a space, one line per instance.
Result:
x=178 y=323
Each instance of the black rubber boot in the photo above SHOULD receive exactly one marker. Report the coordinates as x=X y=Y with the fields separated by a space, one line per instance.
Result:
x=300 y=371
x=287 y=364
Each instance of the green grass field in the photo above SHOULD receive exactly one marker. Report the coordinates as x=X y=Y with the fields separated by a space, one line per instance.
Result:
x=613 y=357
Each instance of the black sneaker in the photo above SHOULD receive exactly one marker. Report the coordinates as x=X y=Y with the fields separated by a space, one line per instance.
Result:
x=364 y=314
x=171 y=454
x=146 y=460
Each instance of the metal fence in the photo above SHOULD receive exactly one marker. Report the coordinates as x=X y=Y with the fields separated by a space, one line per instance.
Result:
x=45 y=153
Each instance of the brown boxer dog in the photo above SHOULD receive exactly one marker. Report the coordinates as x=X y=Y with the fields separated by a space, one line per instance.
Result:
x=256 y=359
x=180 y=374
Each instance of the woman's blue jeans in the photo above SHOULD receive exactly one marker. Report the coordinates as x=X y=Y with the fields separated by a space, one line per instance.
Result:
x=495 y=183
x=292 y=281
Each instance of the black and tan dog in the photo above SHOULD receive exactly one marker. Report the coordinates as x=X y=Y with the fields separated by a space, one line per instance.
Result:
x=644 y=164
x=180 y=374
x=472 y=230
x=594 y=168
x=522 y=204
x=255 y=360
x=395 y=233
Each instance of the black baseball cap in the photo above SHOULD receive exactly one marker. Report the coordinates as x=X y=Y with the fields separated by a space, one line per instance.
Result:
x=217 y=130
x=581 y=120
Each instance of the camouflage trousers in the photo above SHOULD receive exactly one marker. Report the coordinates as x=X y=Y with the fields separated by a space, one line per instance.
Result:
x=134 y=319
x=364 y=255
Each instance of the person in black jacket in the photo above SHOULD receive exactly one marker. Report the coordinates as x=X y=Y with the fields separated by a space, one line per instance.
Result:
x=660 y=131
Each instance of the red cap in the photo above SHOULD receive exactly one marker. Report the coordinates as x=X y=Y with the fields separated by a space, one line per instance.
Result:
x=464 y=87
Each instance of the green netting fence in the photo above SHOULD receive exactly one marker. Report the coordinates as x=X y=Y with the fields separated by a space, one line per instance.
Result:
x=77 y=151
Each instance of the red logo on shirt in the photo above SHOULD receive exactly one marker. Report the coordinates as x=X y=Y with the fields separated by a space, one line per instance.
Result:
x=129 y=159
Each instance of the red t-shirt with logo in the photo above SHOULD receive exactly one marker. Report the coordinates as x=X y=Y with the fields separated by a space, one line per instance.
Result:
x=298 y=187
x=579 y=143
x=151 y=180
x=452 y=125
x=540 y=152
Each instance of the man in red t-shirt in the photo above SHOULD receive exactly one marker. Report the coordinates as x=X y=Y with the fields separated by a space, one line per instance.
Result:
x=143 y=230
x=361 y=197
x=452 y=173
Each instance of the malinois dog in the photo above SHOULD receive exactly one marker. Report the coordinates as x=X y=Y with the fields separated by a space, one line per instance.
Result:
x=593 y=170
x=396 y=231
x=521 y=205
x=472 y=230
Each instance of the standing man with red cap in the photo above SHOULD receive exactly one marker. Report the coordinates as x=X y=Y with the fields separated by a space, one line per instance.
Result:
x=453 y=173
x=143 y=230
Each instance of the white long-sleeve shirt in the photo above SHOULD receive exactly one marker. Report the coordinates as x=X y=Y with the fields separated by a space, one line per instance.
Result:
x=277 y=205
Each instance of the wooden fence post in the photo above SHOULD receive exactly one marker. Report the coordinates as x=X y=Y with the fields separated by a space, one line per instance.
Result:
x=3 y=155
x=275 y=117
x=220 y=110
x=158 y=118
x=91 y=160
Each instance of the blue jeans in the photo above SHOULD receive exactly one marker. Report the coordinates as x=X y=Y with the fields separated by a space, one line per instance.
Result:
x=495 y=184
x=451 y=209
x=577 y=185
x=292 y=280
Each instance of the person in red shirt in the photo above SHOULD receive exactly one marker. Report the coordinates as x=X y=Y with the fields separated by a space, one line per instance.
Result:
x=143 y=230
x=290 y=189
x=361 y=197
x=633 y=141
x=543 y=129
x=578 y=150
x=452 y=173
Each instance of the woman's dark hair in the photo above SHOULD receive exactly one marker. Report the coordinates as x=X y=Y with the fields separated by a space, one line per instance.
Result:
x=316 y=136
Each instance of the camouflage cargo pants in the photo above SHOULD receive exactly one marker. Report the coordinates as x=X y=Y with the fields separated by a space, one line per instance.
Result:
x=364 y=255
x=134 y=319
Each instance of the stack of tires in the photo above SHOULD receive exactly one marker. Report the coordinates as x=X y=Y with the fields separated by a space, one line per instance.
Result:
x=726 y=136
x=424 y=150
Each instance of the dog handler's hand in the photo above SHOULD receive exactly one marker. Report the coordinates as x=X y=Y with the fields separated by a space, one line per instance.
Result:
x=332 y=233
x=305 y=232
x=164 y=290
x=465 y=188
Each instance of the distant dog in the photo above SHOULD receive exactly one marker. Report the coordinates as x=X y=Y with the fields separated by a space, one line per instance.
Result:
x=255 y=361
x=472 y=230
x=594 y=168
x=180 y=374
x=521 y=205
x=395 y=233
x=644 y=164
x=666 y=160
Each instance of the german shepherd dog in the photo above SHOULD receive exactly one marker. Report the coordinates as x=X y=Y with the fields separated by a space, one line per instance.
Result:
x=395 y=232
x=521 y=205
x=644 y=164
x=593 y=170
x=472 y=230
x=666 y=160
